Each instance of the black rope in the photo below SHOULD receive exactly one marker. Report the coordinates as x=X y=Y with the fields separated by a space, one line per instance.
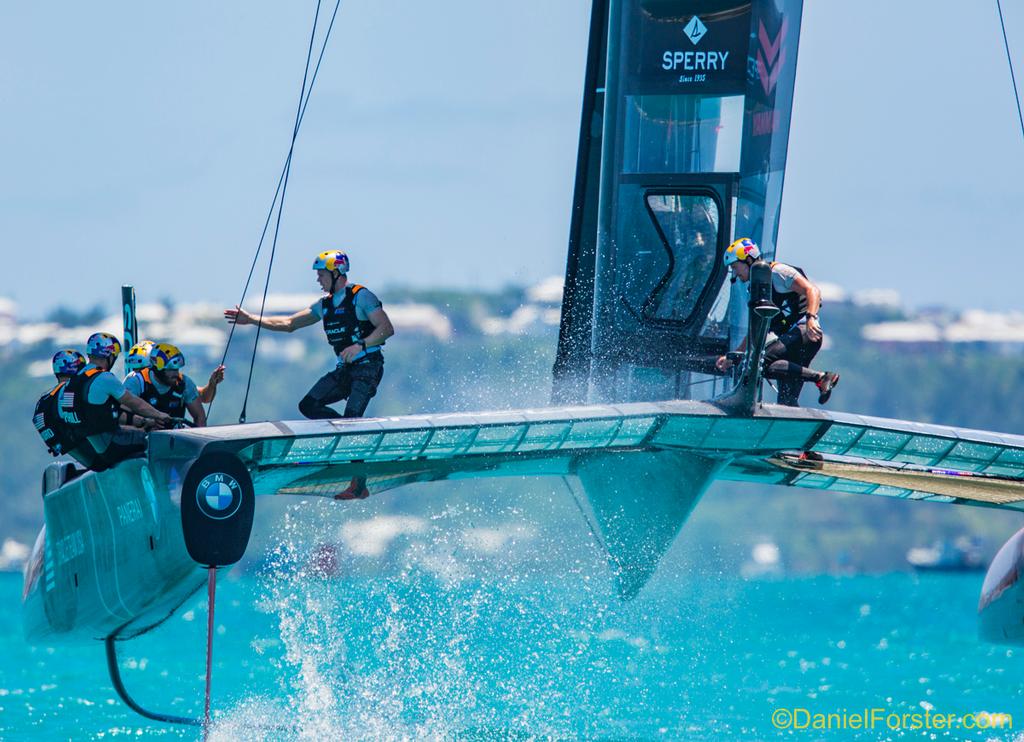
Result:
x=1009 y=59
x=280 y=210
x=303 y=104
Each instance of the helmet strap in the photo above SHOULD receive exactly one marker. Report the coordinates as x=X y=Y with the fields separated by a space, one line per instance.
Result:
x=335 y=275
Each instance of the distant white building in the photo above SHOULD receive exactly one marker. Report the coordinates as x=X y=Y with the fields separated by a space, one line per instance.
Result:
x=548 y=291
x=886 y=298
x=832 y=293
x=976 y=326
x=8 y=311
x=972 y=326
x=902 y=332
x=420 y=319
x=13 y=555
x=529 y=318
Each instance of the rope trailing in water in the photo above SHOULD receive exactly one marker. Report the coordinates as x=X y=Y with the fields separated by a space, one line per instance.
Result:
x=1009 y=60
x=211 y=594
x=304 y=97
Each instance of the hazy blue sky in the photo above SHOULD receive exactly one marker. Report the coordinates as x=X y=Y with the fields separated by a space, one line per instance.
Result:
x=142 y=142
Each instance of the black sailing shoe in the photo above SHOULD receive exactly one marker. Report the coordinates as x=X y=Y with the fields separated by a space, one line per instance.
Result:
x=826 y=384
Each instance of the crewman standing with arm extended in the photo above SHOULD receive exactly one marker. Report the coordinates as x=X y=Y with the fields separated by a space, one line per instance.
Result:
x=356 y=327
x=796 y=326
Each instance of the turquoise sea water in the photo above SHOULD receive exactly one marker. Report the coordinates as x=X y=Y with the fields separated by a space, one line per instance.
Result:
x=414 y=656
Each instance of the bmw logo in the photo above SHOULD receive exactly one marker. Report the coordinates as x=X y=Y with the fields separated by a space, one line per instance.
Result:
x=218 y=496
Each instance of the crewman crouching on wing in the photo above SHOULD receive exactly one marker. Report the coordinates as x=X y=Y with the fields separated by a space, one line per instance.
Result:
x=155 y=375
x=66 y=363
x=356 y=327
x=796 y=326
x=89 y=406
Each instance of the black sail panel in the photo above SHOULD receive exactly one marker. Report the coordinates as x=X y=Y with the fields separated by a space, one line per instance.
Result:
x=697 y=103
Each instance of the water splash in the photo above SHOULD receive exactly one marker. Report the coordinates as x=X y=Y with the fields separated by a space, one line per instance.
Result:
x=447 y=643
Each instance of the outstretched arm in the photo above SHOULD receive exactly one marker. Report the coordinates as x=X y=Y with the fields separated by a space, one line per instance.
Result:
x=281 y=323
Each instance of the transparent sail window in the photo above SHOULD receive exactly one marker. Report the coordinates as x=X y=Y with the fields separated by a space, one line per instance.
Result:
x=688 y=227
x=682 y=134
x=717 y=323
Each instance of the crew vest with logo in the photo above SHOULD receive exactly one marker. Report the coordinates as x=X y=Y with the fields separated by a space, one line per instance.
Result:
x=82 y=418
x=48 y=424
x=341 y=324
x=171 y=402
x=792 y=306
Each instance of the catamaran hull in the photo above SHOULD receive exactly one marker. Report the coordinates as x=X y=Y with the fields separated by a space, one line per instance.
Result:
x=111 y=558
x=1001 y=607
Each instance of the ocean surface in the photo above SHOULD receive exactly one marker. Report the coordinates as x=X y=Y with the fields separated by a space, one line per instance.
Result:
x=420 y=654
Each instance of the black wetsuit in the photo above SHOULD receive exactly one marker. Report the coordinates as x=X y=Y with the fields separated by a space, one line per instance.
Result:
x=787 y=359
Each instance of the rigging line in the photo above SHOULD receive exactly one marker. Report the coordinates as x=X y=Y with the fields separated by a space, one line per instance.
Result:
x=280 y=209
x=1009 y=60
x=280 y=180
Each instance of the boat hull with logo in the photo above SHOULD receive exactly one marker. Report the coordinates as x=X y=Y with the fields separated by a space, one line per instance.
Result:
x=111 y=557
x=123 y=548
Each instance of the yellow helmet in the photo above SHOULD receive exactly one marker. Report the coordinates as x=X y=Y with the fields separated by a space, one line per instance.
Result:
x=166 y=357
x=138 y=356
x=740 y=250
x=331 y=260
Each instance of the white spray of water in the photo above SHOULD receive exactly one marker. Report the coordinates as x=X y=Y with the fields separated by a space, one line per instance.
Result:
x=424 y=653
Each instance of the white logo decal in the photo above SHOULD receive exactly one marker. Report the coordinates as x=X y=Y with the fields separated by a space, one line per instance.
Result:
x=695 y=30
x=219 y=496
x=694 y=61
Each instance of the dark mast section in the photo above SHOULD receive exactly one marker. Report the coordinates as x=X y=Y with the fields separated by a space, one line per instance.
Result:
x=682 y=148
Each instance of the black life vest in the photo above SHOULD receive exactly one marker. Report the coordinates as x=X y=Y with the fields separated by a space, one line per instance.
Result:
x=792 y=306
x=171 y=402
x=48 y=424
x=341 y=325
x=81 y=418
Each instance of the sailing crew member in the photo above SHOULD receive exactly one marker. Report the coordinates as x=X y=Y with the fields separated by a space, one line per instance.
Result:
x=356 y=327
x=138 y=359
x=66 y=363
x=163 y=385
x=89 y=405
x=796 y=327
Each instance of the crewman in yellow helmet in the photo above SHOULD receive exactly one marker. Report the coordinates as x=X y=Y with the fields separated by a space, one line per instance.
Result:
x=356 y=326
x=796 y=327
x=164 y=385
x=138 y=359
x=89 y=406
